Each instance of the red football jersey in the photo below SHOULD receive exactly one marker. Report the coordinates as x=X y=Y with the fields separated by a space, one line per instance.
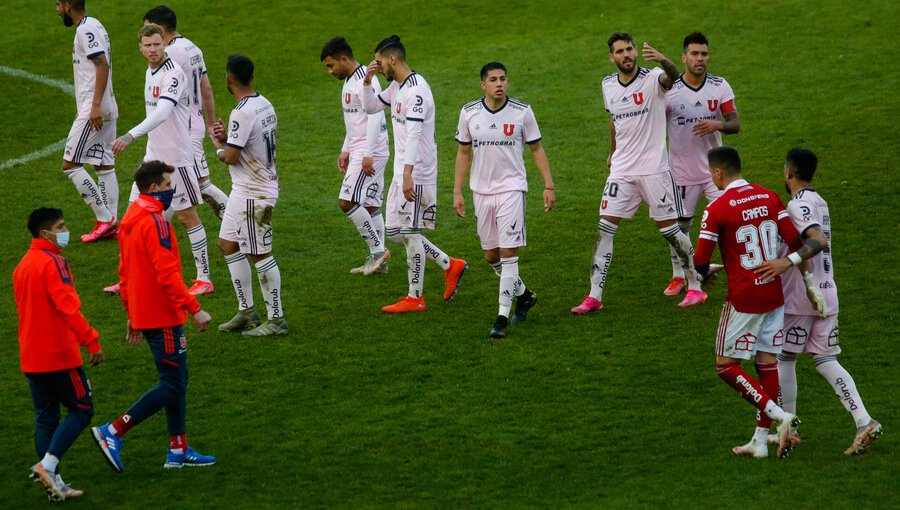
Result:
x=746 y=222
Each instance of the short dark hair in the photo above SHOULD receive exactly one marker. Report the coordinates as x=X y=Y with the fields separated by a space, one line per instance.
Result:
x=618 y=36
x=392 y=46
x=491 y=66
x=241 y=68
x=163 y=16
x=725 y=158
x=803 y=162
x=43 y=219
x=695 y=38
x=336 y=48
x=78 y=5
x=149 y=173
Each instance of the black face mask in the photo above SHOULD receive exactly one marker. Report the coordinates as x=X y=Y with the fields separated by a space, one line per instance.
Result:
x=165 y=197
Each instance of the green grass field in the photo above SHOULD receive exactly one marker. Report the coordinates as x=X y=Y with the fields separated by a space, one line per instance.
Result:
x=355 y=409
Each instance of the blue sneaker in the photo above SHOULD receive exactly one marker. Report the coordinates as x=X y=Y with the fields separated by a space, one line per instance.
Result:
x=110 y=446
x=190 y=458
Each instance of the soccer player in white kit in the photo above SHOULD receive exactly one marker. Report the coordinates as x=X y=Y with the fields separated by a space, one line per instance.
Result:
x=638 y=163
x=363 y=157
x=699 y=108
x=203 y=106
x=412 y=198
x=496 y=128
x=805 y=330
x=167 y=101
x=247 y=146
x=94 y=129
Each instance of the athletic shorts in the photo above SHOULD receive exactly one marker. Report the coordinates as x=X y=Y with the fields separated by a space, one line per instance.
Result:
x=411 y=217
x=187 y=189
x=741 y=335
x=201 y=167
x=360 y=188
x=623 y=195
x=810 y=334
x=87 y=146
x=500 y=219
x=248 y=222
x=690 y=196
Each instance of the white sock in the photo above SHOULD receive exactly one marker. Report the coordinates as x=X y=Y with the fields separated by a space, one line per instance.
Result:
x=498 y=267
x=239 y=268
x=434 y=254
x=197 y=236
x=270 y=283
x=509 y=277
x=378 y=224
x=787 y=382
x=761 y=435
x=89 y=192
x=215 y=198
x=50 y=462
x=363 y=221
x=677 y=270
x=774 y=411
x=681 y=243
x=844 y=388
x=109 y=190
x=415 y=264
x=602 y=257
x=394 y=235
x=134 y=193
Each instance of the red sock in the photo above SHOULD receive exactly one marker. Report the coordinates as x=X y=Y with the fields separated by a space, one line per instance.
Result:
x=745 y=384
x=178 y=443
x=123 y=425
x=768 y=378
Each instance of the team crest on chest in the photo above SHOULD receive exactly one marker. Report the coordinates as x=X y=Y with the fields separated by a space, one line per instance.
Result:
x=347 y=98
x=713 y=104
x=398 y=107
x=638 y=98
x=155 y=91
x=509 y=129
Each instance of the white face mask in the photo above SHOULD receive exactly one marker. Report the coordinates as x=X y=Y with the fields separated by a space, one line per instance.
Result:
x=62 y=239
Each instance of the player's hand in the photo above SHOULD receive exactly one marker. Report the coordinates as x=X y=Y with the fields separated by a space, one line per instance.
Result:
x=202 y=320
x=772 y=268
x=409 y=189
x=814 y=294
x=368 y=166
x=709 y=281
x=134 y=336
x=97 y=358
x=549 y=199
x=343 y=162
x=118 y=147
x=649 y=53
x=706 y=127
x=96 y=118
x=459 y=204
x=373 y=67
x=218 y=131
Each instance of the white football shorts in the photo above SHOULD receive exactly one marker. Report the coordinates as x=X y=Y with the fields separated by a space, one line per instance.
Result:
x=411 y=217
x=360 y=188
x=809 y=334
x=690 y=196
x=500 y=219
x=87 y=146
x=623 y=195
x=248 y=222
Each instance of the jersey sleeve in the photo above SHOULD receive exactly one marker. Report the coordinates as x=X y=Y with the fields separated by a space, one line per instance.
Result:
x=59 y=284
x=655 y=74
x=786 y=228
x=463 y=136
x=709 y=236
x=240 y=127
x=166 y=265
x=91 y=41
x=530 y=131
x=802 y=215
x=417 y=108
x=173 y=85
x=726 y=99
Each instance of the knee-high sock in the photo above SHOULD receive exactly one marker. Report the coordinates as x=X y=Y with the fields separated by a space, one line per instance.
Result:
x=497 y=267
x=603 y=253
x=197 y=236
x=89 y=192
x=132 y=196
x=750 y=389
x=215 y=198
x=378 y=224
x=681 y=243
x=509 y=277
x=787 y=381
x=844 y=388
x=434 y=254
x=109 y=190
x=677 y=270
x=768 y=379
x=239 y=268
x=270 y=283
x=360 y=217
x=394 y=235
x=415 y=264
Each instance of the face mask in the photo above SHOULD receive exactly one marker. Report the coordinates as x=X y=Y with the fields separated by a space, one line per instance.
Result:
x=62 y=239
x=165 y=197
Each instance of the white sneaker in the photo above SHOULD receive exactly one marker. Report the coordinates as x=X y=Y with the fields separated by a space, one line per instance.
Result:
x=784 y=429
x=864 y=438
x=375 y=262
x=752 y=449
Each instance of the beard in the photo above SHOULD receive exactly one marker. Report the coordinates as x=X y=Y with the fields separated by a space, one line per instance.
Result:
x=67 y=20
x=787 y=188
x=624 y=69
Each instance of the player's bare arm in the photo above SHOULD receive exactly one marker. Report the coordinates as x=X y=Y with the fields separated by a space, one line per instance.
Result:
x=463 y=158
x=409 y=188
x=612 y=142
x=814 y=242
x=229 y=155
x=343 y=162
x=101 y=65
x=729 y=125
x=543 y=166
x=207 y=100
x=671 y=76
x=373 y=67
x=218 y=134
x=121 y=143
x=368 y=165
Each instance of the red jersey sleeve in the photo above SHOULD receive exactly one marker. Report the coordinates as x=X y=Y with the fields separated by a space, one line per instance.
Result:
x=168 y=267
x=61 y=288
x=709 y=236
x=786 y=228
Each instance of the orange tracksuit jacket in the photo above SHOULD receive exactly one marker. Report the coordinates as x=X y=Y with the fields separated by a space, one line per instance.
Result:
x=51 y=325
x=152 y=289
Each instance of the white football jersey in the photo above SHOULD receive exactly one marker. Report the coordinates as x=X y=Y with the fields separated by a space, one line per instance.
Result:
x=356 y=121
x=685 y=107
x=170 y=142
x=411 y=101
x=187 y=55
x=638 y=109
x=91 y=40
x=497 y=138
x=251 y=128
x=808 y=209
